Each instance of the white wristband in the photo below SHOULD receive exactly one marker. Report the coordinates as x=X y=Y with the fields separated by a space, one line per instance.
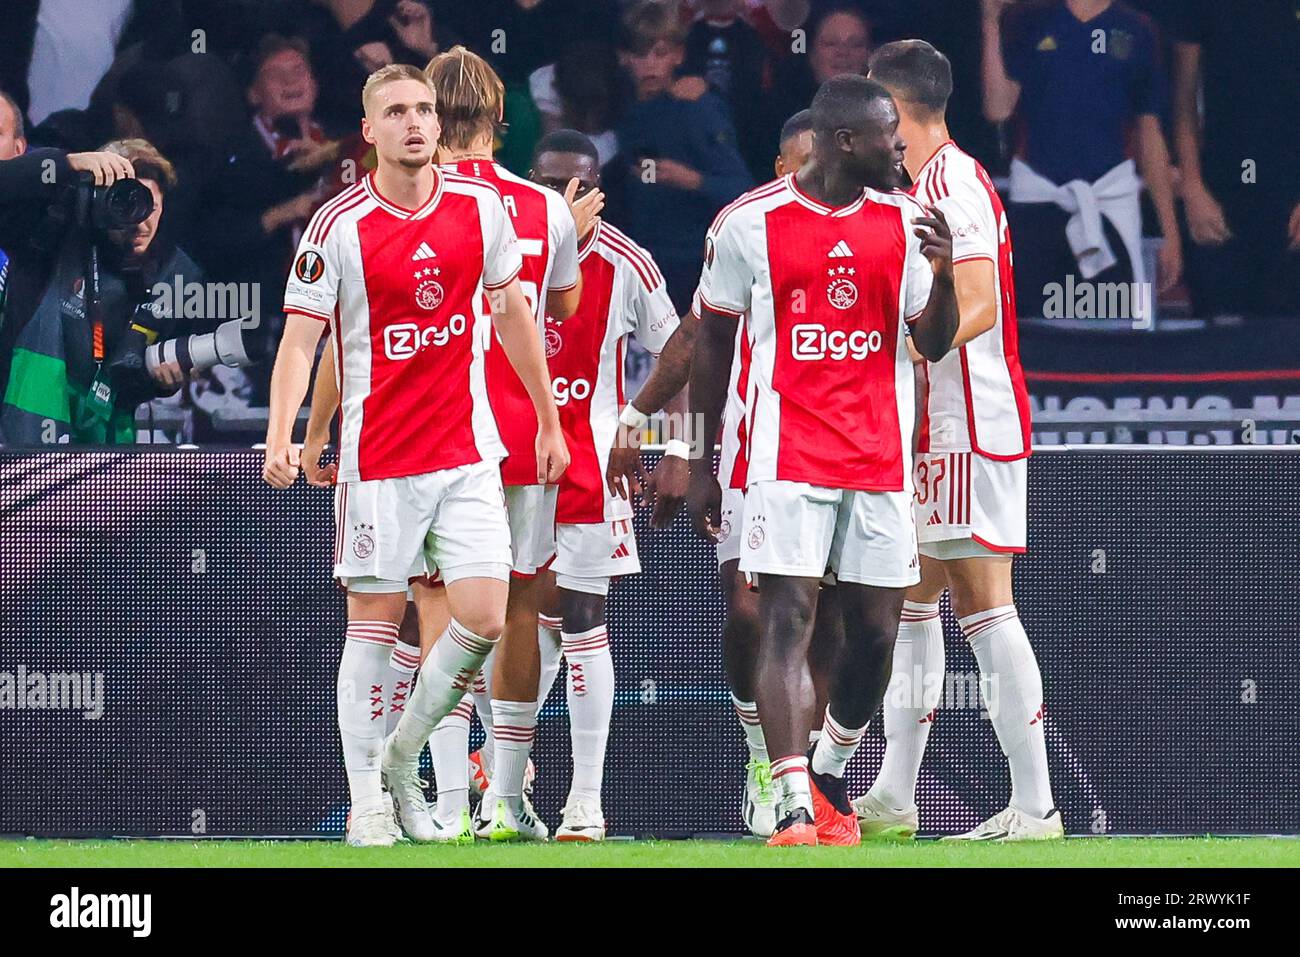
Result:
x=678 y=448
x=633 y=417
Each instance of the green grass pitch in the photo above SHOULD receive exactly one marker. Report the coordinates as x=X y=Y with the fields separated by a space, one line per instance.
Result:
x=1077 y=852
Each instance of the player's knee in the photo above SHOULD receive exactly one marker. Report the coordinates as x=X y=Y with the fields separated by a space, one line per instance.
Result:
x=487 y=623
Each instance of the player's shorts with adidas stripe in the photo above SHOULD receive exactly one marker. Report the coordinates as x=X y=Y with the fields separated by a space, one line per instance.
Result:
x=389 y=531
x=969 y=506
x=794 y=528
x=732 y=513
x=588 y=555
x=531 y=510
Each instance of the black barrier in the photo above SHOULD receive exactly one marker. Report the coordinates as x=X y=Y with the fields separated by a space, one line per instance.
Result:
x=169 y=637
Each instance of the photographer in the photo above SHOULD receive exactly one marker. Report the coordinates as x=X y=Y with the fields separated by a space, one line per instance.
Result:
x=72 y=370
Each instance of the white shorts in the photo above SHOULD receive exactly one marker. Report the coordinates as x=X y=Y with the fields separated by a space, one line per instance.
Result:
x=967 y=506
x=388 y=531
x=531 y=510
x=733 y=510
x=793 y=528
x=587 y=556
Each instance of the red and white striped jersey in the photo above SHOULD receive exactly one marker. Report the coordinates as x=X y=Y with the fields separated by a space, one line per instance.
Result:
x=623 y=293
x=977 y=400
x=827 y=295
x=548 y=243
x=400 y=289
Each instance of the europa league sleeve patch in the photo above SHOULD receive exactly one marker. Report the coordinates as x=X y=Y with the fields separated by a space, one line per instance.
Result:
x=309 y=266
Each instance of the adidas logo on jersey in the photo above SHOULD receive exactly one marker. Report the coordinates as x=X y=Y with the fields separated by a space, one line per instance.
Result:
x=935 y=519
x=839 y=251
x=423 y=252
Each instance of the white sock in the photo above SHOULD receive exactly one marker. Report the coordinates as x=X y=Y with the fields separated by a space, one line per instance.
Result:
x=361 y=697
x=447 y=674
x=402 y=666
x=1013 y=689
x=747 y=712
x=915 y=688
x=591 y=705
x=447 y=746
x=814 y=736
x=482 y=692
x=513 y=725
x=835 y=747
x=791 y=775
x=548 y=643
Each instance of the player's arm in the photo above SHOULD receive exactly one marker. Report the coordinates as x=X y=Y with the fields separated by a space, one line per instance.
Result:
x=517 y=330
x=977 y=299
x=715 y=347
x=289 y=381
x=562 y=303
x=324 y=403
x=933 y=330
x=624 y=474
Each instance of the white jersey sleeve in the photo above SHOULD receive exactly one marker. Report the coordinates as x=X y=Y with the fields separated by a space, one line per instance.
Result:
x=726 y=282
x=970 y=217
x=564 y=245
x=652 y=316
x=501 y=257
x=313 y=286
x=918 y=278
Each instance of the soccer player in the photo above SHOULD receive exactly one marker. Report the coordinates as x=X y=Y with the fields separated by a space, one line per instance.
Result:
x=831 y=274
x=471 y=101
x=740 y=630
x=970 y=484
x=623 y=294
x=418 y=478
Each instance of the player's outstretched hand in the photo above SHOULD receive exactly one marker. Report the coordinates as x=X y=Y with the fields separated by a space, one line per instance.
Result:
x=322 y=476
x=281 y=466
x=584 y=210
x=704 y=504
x=552 y=455
x=670 y=483
x=936 y=239
x=625 y=476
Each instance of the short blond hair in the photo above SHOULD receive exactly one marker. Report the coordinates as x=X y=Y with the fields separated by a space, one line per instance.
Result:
x=470 y=96
x=391 y=74
x=145 y=159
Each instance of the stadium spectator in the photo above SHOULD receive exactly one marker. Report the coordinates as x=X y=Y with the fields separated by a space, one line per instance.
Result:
x=1240 y=161
x=12 y=140
x=681 y=156
x=62 y=380
x=839 y=41
x=251 y=212
x=757 y=14
x=350 y=39
x=729 y=54
x=580 y=91
x=1081 y=74
x=55 y=57
x=519 y=37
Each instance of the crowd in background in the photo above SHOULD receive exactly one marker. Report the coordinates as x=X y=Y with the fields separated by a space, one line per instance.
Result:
x=1183 y=115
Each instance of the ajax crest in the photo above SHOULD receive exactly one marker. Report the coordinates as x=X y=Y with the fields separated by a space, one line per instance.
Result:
x=363 y=544
x=553 y=341
x=842 y=293
x=428 y=294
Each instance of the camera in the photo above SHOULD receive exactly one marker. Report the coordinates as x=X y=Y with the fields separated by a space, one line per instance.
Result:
x=198 y=353
x=119 y=206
